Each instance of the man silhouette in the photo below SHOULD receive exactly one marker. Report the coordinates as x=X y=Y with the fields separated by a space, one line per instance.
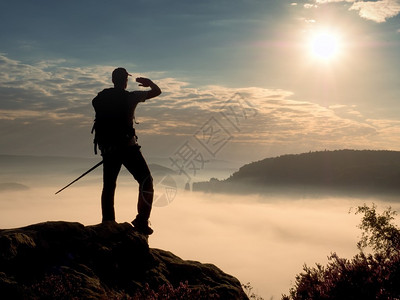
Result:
x=117 y=141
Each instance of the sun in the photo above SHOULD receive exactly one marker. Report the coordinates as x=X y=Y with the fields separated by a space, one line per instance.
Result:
x=324 y=45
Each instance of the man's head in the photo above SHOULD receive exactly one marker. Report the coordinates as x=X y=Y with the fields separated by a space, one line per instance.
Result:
x=120 y=78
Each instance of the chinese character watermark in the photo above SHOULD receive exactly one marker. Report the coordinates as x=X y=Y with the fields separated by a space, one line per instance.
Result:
x=214 y=134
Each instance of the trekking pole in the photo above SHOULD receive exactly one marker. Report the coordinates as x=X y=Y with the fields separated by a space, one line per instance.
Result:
x=88 y=171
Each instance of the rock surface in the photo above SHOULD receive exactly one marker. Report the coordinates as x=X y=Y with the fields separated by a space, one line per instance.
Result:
x=64 y=260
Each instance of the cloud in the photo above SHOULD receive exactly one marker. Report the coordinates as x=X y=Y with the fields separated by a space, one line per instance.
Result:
x=275 y=119
x=48 y=99
x=46 y=85
x=377 y=11
x=329 y=1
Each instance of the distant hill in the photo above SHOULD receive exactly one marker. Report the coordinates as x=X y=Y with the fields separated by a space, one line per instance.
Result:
x=20 y=167
x=58 y=164
x=34 y=165
x=12 y=186
x=340 y=170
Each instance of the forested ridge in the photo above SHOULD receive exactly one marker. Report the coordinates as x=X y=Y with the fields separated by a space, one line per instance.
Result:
x=365 y=169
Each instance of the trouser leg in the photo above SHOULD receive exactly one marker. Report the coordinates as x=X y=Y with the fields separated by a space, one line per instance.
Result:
x=137 y=166
x=111 y=168
x=145 y=199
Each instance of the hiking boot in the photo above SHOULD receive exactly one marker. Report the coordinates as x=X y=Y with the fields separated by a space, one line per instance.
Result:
x=142 y=227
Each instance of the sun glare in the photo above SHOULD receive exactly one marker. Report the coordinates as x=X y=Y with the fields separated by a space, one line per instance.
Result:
x=324 y=45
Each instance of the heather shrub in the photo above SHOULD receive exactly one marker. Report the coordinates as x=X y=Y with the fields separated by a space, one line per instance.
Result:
x=181 y=292
x=248 y=290
x=374 y=275
x=56 y=286
x=64 y=286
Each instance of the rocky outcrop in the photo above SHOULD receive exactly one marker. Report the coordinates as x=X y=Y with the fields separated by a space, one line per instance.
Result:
x=63 y=260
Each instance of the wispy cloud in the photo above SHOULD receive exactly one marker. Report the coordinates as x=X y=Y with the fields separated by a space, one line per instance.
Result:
x=46 y=85
x=329 y=1
x=37 y=98
x=377 y=11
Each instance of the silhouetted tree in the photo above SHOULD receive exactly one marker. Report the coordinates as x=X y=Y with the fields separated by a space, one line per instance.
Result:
x=378 y=231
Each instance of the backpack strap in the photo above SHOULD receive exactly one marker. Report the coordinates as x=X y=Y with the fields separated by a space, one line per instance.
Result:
x=94 y=139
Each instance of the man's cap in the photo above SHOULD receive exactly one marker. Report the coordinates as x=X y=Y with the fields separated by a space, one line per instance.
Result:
x=120 y=74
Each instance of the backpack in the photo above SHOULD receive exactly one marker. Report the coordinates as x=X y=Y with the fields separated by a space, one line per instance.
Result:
x=112 y=125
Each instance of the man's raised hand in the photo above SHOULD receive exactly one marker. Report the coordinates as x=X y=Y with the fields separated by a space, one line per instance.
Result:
x=145 y=82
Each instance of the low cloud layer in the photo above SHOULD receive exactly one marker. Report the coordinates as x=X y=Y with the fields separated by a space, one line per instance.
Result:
x=263 y=240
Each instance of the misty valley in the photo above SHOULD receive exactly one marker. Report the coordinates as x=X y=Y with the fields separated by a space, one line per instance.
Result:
x=273 y=225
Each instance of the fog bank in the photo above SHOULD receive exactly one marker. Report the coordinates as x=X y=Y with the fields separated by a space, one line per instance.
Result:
x=260 y=240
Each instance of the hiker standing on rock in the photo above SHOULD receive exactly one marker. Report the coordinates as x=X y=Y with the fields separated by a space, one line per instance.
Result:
x=115 y=136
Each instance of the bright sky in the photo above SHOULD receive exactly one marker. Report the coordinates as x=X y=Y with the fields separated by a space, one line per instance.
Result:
x=299 y=76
